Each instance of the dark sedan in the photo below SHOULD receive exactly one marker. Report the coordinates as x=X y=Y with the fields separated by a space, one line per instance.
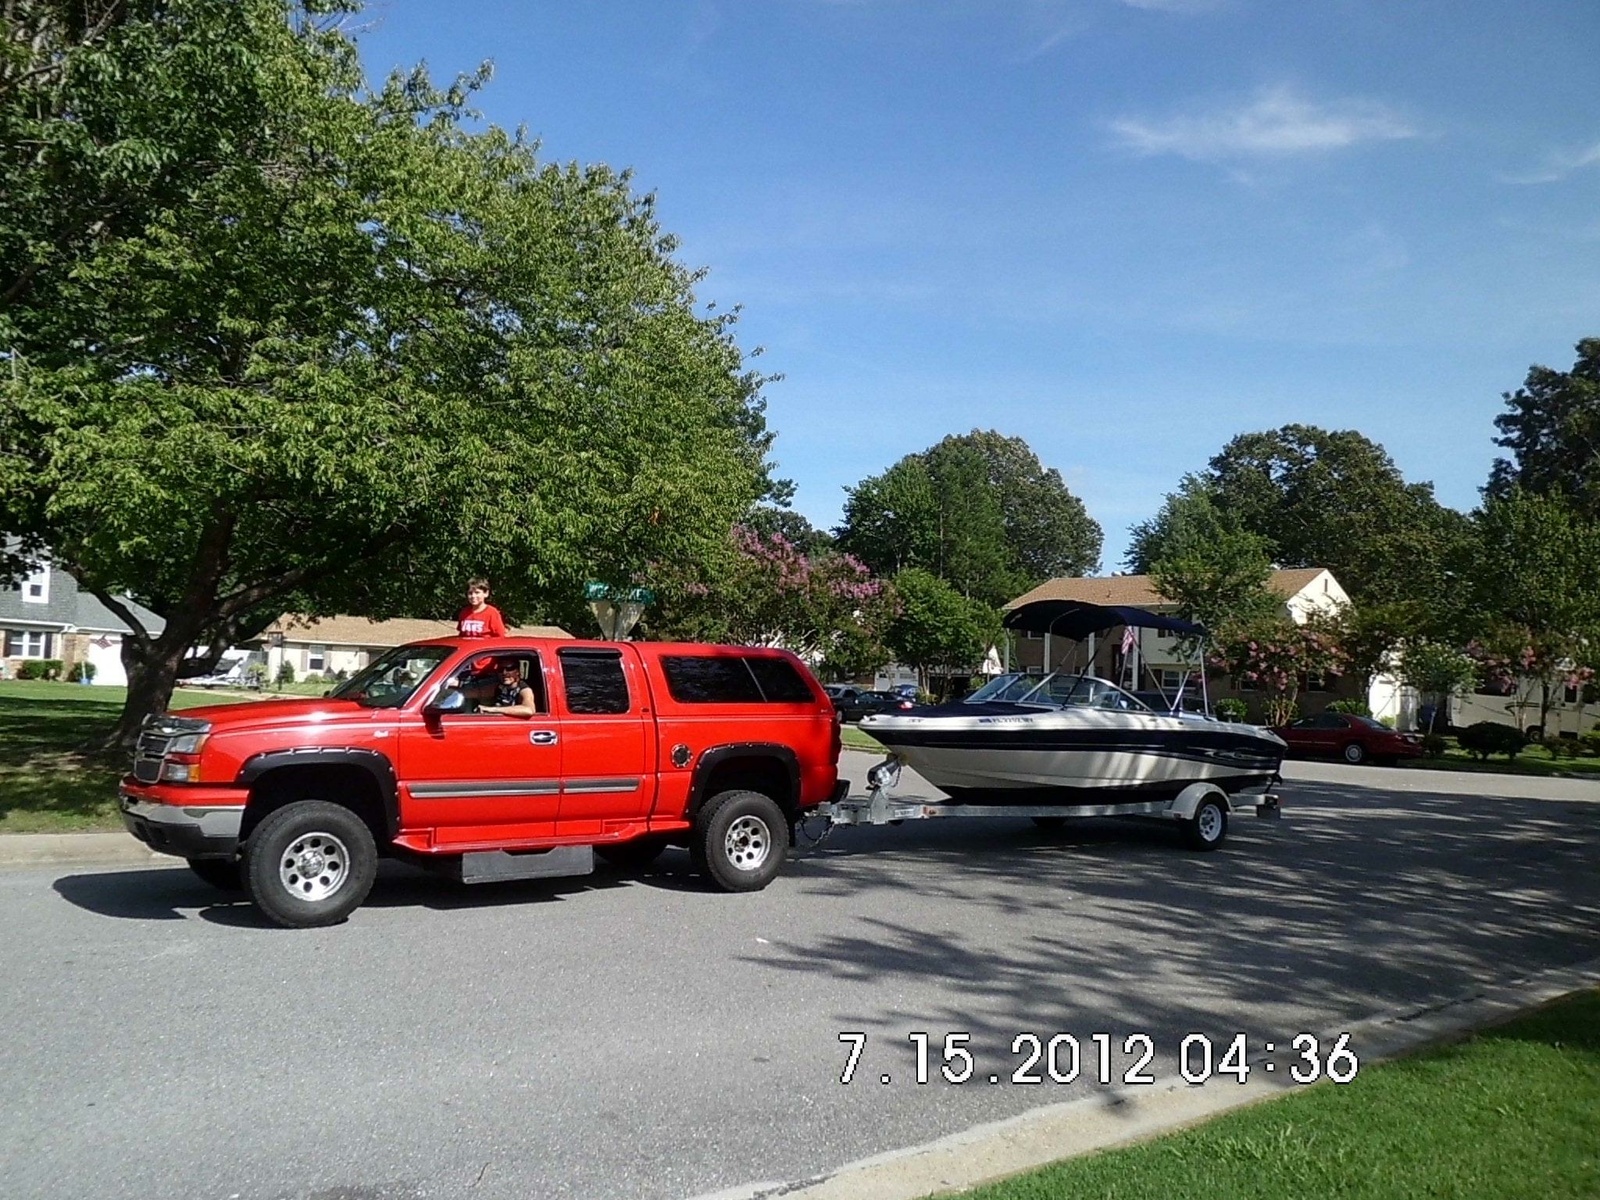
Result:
x=853 y=705
x=1347 y=736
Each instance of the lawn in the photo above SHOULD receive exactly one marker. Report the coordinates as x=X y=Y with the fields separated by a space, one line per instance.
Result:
x=1512 y=1112
x=49 y=781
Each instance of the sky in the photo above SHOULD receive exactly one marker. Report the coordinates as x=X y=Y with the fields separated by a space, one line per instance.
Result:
x=1123 y=230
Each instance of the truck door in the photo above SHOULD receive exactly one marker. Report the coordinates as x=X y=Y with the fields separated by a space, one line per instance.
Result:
x=607 y=732
x=483 y=777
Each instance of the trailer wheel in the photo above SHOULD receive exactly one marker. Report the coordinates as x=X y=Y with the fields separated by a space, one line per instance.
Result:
x=310 y=863
x=1207 y=829
x=740 y=841
x=633 y=855
x=221 y=873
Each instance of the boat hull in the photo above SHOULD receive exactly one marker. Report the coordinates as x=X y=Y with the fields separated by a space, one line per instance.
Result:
x=1072 y=758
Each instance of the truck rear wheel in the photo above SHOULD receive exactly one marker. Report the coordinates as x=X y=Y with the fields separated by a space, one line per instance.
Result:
x=740 y=841
x=310 y=863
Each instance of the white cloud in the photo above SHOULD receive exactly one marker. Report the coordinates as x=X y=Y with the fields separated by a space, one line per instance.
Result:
x=1275 y=122
x=1559 y=165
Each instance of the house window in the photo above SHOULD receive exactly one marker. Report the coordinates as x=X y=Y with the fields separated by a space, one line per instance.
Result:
x=1570 y=695
x=36 y=587
x=1165 y=635
x=1169 y=680
x=27 y=644
x=1313 y=682
x=316 y=657
x=1246 y=685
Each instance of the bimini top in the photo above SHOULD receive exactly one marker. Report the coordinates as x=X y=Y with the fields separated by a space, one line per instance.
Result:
x=1077 y=619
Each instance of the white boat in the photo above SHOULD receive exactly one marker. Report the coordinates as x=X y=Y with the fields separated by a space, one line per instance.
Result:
x=1072 y=738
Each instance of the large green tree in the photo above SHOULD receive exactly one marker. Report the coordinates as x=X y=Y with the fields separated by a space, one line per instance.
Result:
x=1531 y=594
x=977 y=510
x=936 y=626
x=1325 y=499
x=276 y=337
x=1552 y=428
x=1209 y=565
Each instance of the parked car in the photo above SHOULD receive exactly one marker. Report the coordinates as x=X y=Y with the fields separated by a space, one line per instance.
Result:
x=909 y=691
x=865 y=704
x=1347 y=736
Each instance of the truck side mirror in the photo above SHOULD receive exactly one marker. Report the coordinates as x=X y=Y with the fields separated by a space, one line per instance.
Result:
x=447 y=701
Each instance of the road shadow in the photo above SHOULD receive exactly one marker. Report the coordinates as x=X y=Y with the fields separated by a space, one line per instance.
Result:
x=165 y=894
x=1358 y=901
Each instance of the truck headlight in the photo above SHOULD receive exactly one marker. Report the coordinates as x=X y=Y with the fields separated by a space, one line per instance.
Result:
x=189 y=743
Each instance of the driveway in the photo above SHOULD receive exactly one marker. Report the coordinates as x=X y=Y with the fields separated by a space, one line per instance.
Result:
x=639 y=1036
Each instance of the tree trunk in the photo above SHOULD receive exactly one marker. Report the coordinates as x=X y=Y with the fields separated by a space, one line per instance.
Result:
x=151 y=675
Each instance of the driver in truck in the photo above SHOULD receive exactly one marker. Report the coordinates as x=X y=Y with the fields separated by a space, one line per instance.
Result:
x=513 y=696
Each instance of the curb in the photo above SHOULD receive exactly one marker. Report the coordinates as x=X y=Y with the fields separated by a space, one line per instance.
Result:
x=1042 y=1136
x=75 y=849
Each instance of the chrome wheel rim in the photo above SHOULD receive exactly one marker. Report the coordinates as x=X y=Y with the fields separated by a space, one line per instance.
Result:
x=748 y=843
x=314 y=866
x=1209 y=823
x=1354 y=754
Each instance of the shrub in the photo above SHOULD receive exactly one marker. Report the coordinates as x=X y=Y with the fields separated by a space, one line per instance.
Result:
x=82 y=672
x=1591 y=741
x=285 y=672
x=1563 y=747
x=1490 y=737
x=30 y=668
x=1231 y=708
x=255 y=675
x=1355 y=707
x=1433 y=745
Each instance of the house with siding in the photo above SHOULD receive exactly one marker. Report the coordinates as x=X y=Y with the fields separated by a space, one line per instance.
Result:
x=1153 y=656
x=327 y=646
x=45 y=616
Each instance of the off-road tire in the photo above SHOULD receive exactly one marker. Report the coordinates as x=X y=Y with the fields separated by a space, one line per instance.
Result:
x=223 y=874
x=740 y=841
x=1208 y=828
x=310 y=863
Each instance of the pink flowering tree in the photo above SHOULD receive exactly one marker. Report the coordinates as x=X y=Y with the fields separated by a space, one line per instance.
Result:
x=1273 y=653
x=764 y=590
x=1532 y=668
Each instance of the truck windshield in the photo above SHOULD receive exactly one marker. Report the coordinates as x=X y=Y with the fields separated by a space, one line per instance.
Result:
x=390 y=681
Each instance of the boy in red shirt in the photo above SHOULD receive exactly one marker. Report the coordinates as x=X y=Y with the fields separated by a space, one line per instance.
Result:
x=479 y=619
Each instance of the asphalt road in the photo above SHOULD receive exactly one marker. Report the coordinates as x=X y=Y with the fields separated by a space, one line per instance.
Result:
x=642 y=1037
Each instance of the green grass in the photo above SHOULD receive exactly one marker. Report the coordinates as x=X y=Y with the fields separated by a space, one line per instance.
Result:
x=1534 y=760
x=51 y=780
x=1512 y=1112
x=854 y=739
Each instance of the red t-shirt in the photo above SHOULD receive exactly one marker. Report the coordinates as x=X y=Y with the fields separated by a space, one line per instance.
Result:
x=487 y=623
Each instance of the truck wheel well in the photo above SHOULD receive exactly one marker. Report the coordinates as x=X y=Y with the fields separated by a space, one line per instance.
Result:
x=347 y=786
x=756 y=773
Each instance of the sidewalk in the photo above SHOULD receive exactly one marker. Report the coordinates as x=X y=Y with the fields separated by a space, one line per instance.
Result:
x=87 y=849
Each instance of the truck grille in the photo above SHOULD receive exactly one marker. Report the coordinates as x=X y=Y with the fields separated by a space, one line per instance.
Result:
x=159 y=731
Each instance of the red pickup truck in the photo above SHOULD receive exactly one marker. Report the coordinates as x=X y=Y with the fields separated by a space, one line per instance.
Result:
x=632 y=747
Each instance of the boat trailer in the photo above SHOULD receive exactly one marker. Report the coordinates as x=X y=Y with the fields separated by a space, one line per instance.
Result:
x=1202 y=807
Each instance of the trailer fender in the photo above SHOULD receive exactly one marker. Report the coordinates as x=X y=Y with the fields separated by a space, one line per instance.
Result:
x=1187 y=802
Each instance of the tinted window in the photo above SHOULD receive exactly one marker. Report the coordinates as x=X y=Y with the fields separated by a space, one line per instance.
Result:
x=780 y=682
x=695 y=679
x=594 y=681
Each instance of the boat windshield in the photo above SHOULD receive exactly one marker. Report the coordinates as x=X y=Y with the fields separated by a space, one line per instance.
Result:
x=1060 y=689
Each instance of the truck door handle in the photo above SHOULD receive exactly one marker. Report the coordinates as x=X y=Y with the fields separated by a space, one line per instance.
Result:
x=543 y=737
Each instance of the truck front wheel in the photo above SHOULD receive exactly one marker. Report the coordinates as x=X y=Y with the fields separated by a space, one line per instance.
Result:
x=740 y=841
x=310 y=863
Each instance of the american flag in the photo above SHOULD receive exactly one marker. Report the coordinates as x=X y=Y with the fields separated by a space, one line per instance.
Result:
x=1128 y=638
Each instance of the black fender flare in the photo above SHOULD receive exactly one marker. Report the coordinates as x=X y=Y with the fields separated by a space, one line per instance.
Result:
x=372 y=762
x=705 y=765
